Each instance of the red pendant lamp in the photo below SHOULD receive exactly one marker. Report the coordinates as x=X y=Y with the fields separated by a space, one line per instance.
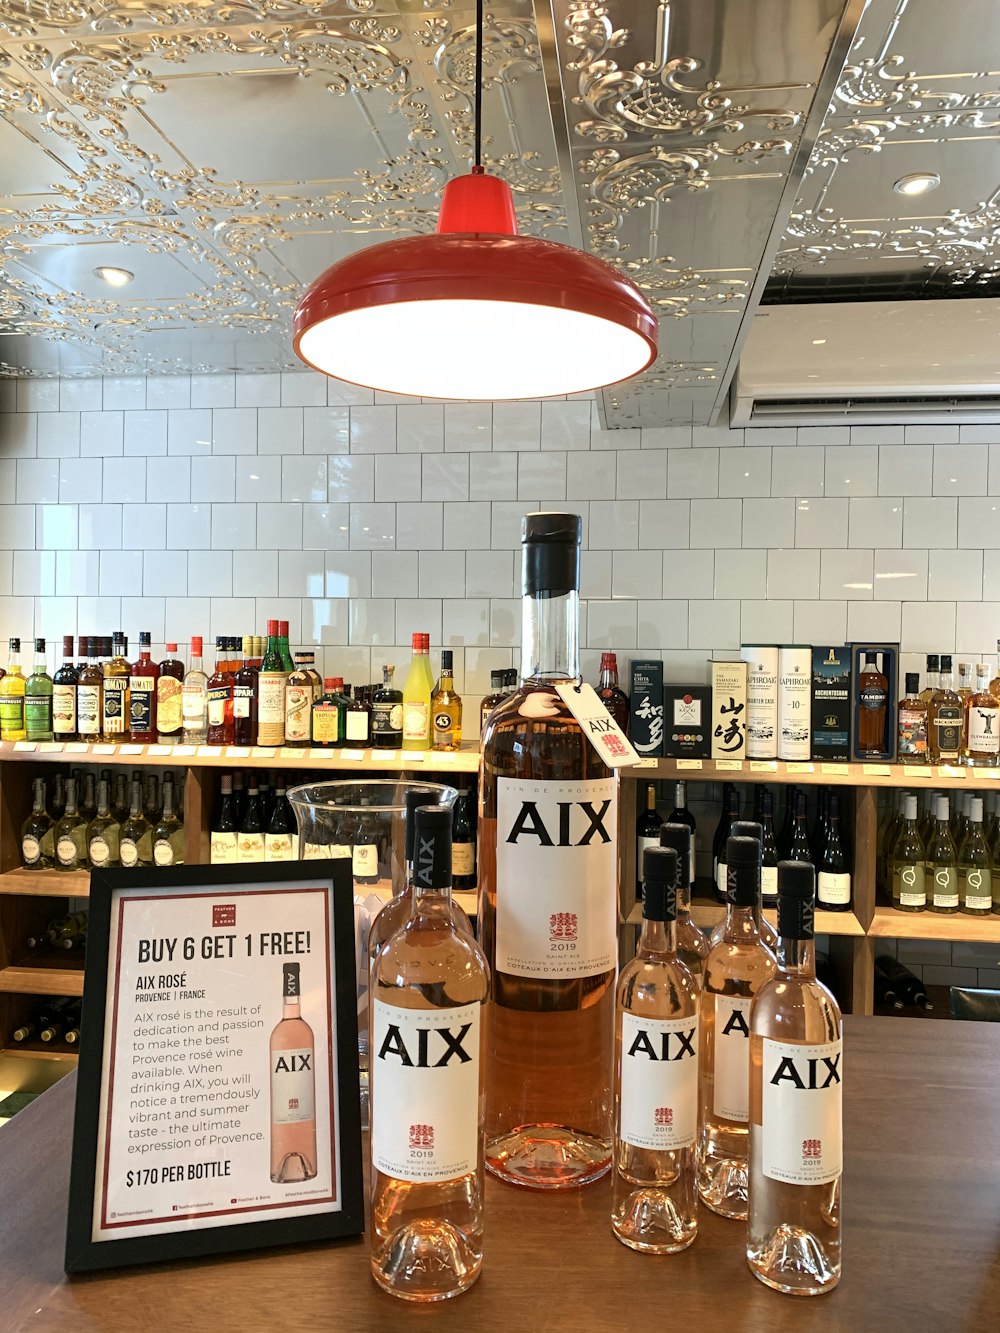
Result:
x=475 y=311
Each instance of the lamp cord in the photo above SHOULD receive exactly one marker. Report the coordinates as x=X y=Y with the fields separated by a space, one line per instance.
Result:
x=478 y=165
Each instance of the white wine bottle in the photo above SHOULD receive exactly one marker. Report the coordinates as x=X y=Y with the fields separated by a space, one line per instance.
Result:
x=796 y=1129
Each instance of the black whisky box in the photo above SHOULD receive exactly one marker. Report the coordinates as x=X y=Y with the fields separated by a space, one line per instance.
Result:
x=646 y=708
x=875 y=697
x=687 y=721
x=831 y=702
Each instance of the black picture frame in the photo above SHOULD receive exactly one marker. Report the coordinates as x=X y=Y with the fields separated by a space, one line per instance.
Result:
x=83 y=1252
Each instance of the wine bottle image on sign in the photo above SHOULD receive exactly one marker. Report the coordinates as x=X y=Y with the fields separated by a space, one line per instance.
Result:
x=293 y=1087
x=548 y=894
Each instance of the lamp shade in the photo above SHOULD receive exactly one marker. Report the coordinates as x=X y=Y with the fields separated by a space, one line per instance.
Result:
x=475 y=311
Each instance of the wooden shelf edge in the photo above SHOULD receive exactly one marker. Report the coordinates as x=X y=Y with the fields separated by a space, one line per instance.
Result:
x=46 y=883
x=826 y=923
x=815 y=773
x=60 y=1055
x=953 y=926
x=22 y=980
x=465 y=760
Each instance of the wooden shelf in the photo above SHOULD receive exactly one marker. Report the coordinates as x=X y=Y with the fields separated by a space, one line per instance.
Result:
x=465 y=760
x=815 y=773
x=40 y=1050
x=955 y=926
x=47 y=883
x=707 y=914
x=50 y=974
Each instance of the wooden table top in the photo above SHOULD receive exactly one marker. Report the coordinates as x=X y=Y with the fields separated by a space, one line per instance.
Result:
x=921 y=1233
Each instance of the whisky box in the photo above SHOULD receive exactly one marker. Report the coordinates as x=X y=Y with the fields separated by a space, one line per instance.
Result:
x=646 y=708
x=729 y=710
x=794 y=701
x=831 y=702
x=762 y=699
x=887 y=658
x=687 y=721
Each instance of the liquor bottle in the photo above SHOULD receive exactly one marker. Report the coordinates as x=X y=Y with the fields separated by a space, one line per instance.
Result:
x=614 y=699
x=365 y=846
x=548 y=894
x=293 y=1087
x=964 y=691
x=397 y=910
x=682 y=815
x=168 y=833
x=490 y=701
x=387 y=713
x=982 y=723
x=70 y=834
x=169 y=698
x=135 y=846
x=90 y=696
x=417 y=691
x=287 y=664
x=429 y=988
x=647 y=833
x=299 y=702
x=64 y=684
x=115 y=700
x=768 y=850
x=692 y=946
x=912 y=723
x=873 y=697
x=796 y=1125
x=245 y=697
x=942 y=862
x=654 y=1198
x=975 y=883
x=280 y=839
x=103 y=831
x=12 y=697
x=945 y=719
x=463 y=844
x=730 y=811
x=906 y=863
x=271 y=692
x=446 y=708
x=735 y=970
x=800 y=848
x=931 y=678
x=38 y=698
x=194 y=697
x=60 y=1022
x=357 y=719
x=328 y=716
x=37 y=832
x=308 y=659
x=251 y=841
x=833 y=881
x=221 y=687
x=224 y=834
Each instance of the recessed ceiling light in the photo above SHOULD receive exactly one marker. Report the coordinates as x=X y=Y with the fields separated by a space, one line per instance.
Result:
x=919 y=183
x=819 y=342
x=115 y=277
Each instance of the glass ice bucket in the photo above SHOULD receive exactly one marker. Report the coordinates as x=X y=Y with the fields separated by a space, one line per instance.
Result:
x=363 y=822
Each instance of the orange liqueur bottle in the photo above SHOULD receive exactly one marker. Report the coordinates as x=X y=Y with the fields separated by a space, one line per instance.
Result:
x=548 y=895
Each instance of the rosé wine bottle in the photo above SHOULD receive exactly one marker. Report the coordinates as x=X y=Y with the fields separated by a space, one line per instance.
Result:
x=293 y=1088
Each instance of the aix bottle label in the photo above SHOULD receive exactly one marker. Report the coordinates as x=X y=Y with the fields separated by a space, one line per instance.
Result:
x=802 y=1134
x=731 y=1065
x=658 y=1106
x=425 y=1091
x=293 y=1086
x=557 y=875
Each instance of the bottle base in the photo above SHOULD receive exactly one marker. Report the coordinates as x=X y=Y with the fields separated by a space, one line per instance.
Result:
x=791 y=1260
x=649 y=1220
x=292 y=1170
x=426 y=1261
x=548 y=1157
x=723 y=1187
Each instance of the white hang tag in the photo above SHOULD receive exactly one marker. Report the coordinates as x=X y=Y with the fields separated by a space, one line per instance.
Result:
x=599 y=727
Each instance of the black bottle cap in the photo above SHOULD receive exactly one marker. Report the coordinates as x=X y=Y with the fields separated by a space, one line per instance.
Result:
x=796 y=894
x=415 y=798
x=291 y=988
x=551 y=560
x=15 y=645
x=659 y=884
x=933 y=662
x=743 y=871
x=747 y=828
x=678 y=838
x=913 y=682
x=432 y=847
x=446 y=659
x=145 y=638
x=945 y=662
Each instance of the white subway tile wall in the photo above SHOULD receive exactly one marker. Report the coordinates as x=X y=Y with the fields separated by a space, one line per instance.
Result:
x=203 y=504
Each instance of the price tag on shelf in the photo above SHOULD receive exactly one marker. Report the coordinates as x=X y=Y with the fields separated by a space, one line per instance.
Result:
x=105 y=749
x=729 y=765
x=988 y=773
x=208 y=751
x=876 y=770
x=800 y=768
x=293 y=754
x=407 y=757
x=159 y=749
x=183 y=751
x=354 y=755
x=131 y=749
x=51 y=747
x=263 y=752
x=77 y=747
x=835 y=770
x=919 y=771
x=949 y=771
x=25 y=746
x=689 y=765
x=763 y=766
x=237 y=752
x=647 y=762
x=319 y=756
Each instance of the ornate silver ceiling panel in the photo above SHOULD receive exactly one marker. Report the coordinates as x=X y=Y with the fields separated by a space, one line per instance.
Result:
x=914 y=97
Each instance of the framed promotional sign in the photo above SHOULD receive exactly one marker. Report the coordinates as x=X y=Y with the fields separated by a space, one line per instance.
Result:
x=217 y=1099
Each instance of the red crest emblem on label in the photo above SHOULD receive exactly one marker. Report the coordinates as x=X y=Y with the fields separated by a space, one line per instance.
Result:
x=223 y=914
x=563 y=926
x=663 y=1115
x=293 y=1103
x=812 y=1148
x=421 y=1136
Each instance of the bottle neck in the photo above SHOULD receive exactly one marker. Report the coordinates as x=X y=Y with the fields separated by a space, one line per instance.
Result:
x=196 y=663
x=447 y=681
x=550 y=633
x=38 y=665
x=38 y=806
x=658 y=939
x=292 y=1007
x=797 y=957
x=609 y=677
x=742 y=922
x=387 y=676
x=945 y=681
